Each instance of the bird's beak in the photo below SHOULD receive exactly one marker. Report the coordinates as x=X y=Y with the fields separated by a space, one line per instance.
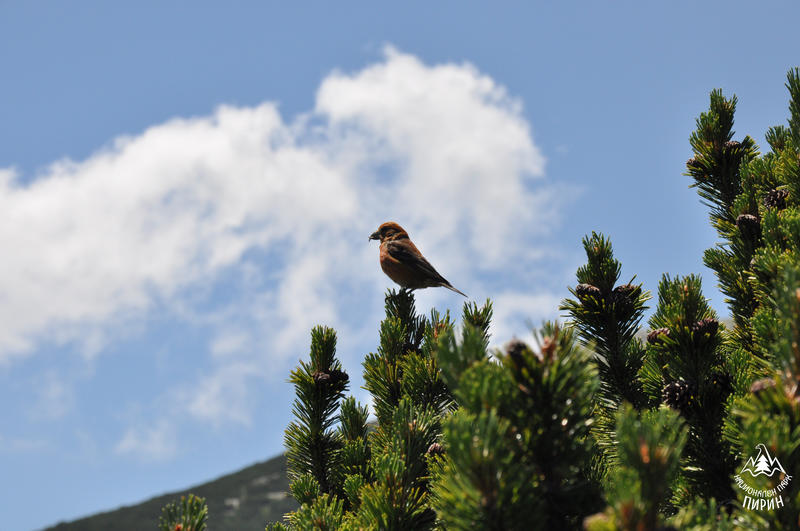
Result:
x=375 y=236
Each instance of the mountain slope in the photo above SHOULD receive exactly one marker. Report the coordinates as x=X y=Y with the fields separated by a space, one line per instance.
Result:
x=242 y=501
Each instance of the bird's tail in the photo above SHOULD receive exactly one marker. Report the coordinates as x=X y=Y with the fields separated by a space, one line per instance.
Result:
x=451 y=288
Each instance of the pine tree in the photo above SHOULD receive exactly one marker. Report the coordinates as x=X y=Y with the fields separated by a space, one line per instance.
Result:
x=770 y=413
x=606 y=316
x=591 y=420
x=313 y=447
x=190 y=514
x=442 y=401
x=347 y=474
x=687 y=370
x=757 y=266
x=517 y=452
x=717 y=168
x=646 y=465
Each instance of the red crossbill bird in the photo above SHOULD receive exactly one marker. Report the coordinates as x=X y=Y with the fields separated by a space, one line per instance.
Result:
x=402 y=262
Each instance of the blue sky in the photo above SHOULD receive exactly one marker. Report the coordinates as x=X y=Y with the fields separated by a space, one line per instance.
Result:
x=187 y=189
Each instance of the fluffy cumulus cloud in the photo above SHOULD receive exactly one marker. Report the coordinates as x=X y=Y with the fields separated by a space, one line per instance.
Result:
x=150 y=442
x=516 y=314
x=286 y=205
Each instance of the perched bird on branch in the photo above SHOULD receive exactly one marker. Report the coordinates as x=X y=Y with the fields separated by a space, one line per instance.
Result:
x=402 y=262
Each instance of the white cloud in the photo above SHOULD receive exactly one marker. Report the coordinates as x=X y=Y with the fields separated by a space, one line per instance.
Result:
x=229 y=343
x=149 y=442
x=55 y=397
x=223 y=395
x=516 y=314
x=466 y=152
x=159 y=216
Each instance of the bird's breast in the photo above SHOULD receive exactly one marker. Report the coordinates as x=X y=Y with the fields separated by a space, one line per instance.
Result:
x=395 y=269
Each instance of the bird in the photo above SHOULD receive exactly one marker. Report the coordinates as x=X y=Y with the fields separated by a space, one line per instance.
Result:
x=402 y=262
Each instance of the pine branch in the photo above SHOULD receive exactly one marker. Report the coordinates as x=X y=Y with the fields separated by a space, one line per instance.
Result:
x=607 y=319
x=190 y=514
x=312 y=446
x=687 y=370
x=517 y=451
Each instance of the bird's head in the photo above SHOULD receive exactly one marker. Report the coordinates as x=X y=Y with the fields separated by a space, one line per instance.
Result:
x=389 y=231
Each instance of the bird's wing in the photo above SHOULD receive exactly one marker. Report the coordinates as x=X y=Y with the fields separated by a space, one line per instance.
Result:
x=411 y=258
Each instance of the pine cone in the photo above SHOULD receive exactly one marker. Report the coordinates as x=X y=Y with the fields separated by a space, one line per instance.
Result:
x=776 y=199
x=693 y=164
x=676 y=395
x=722 y=382
x=435 y=449
x=623 y=296
x=731 y=145
x=762 y=385
x=658 y=335
x=706 y=327
x=332 y=378
x=339 y=376
x=515 y=350
x=748 y=225
x=584 y=291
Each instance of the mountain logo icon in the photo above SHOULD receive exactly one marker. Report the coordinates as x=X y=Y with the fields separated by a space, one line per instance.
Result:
x=762 y=464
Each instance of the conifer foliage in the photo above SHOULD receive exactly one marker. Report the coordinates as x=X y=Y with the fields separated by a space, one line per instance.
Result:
x=371 y=476
x=312 y=446
x=518 y=448
x=599 y=423
x=189 y=514
x=688 y=371
x=606 y=316
x=647 y=463
x=770 y=413
x=463 y=437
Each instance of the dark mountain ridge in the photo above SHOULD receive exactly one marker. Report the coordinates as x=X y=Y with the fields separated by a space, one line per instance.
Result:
x=241 y=501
